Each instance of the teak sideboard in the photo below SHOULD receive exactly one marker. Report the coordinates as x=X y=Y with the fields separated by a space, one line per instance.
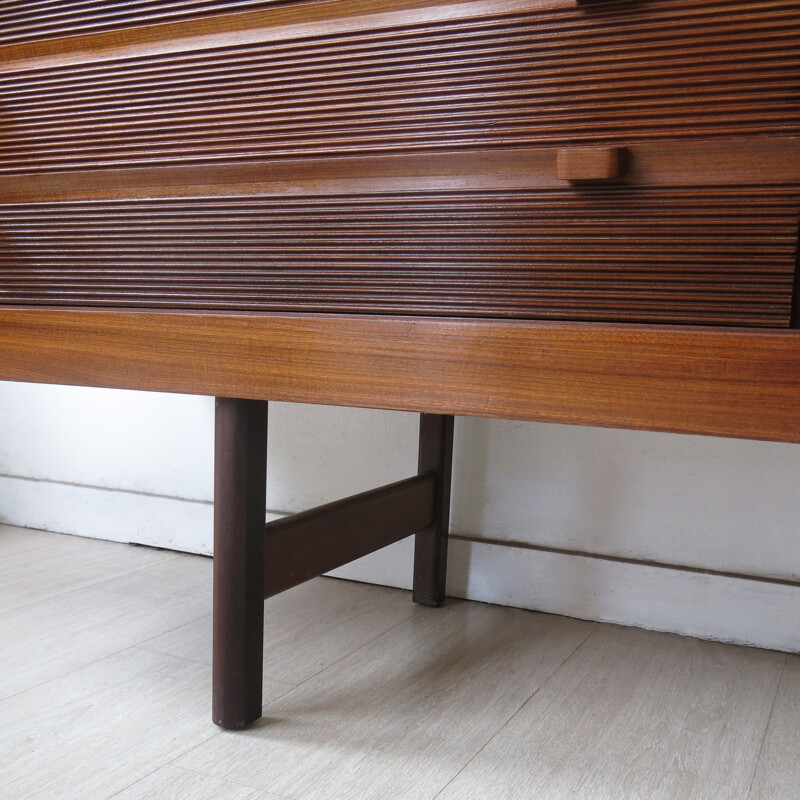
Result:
x=580 y=211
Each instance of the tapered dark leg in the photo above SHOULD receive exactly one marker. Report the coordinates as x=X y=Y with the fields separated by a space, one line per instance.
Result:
x=430 y=546
x=240 y=476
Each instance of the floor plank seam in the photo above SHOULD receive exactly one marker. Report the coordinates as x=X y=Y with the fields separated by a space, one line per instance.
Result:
x=487 y=742
x=102 y=581
x=570 y=656
x=508 y=721
x=192 y=621
x=218 y=732
x=68 y=672
x=766 y=727
x=342 y=658
x=252 y=789
x=84 y=587
x=135 y=783
x=80 y=667
x=141 y=646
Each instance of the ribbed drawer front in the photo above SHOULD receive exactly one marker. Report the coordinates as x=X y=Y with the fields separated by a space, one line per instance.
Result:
x=721 y=256
x=30 y=21
x=605 y=72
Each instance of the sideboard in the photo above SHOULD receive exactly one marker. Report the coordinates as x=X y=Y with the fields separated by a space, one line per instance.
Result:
x=578 y=211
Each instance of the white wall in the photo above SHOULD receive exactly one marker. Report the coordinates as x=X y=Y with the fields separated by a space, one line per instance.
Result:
x=529 y=500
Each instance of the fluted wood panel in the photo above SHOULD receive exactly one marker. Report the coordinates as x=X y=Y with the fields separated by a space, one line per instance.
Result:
x=45 y=19
x=706 y=256
x=616 y=72
x=360 y=163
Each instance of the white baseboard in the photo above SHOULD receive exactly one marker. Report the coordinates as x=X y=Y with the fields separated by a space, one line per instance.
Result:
x=116 y=516
x=743 y=611
x=752 y=612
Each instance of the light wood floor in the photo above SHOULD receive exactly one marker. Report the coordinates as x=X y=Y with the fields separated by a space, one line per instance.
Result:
x=105 y=692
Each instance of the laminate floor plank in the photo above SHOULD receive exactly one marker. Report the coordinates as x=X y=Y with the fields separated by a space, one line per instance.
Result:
x=49 y=638
x=713 y=716
x=15 y=540
x=400 y=717
x=89 y=734
x=52 y=565
x=611 y=780
x=185 y=576
x=307 y=628
x=105 y=692
x=176 y=783
x=650 y=710
x=778 y=773
x=576 y=779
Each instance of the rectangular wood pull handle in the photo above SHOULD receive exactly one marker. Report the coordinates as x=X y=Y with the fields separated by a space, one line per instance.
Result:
x=589 y=163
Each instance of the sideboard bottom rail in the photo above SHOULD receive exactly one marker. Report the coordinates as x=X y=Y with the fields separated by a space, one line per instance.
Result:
x=253 y=561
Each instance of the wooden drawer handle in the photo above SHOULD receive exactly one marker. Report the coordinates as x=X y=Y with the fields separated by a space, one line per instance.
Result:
x=590 y=163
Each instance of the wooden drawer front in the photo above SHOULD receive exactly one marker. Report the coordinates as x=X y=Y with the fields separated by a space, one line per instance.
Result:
x=616 y=72
x=706 y=256
x=30 y=21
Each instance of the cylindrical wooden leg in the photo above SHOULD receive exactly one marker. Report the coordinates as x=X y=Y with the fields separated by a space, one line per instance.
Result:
x=430 y=545
x=240 y=477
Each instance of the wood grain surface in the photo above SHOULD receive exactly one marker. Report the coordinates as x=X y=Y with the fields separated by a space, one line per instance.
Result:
x=590 y=163
x=705 y=256
x=435 y=457
x=391 y=695
x=310 y=543
x=382 y=179
x=778 y=773
x=240 y=497
x=378 y=79
x=26 y=22
x=741 y=161
x=684 y=379
x=662 y=718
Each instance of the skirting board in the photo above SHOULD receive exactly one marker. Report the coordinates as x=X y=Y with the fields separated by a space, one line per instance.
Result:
x=728 y=609
x=113 y=515
x=708 y=606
